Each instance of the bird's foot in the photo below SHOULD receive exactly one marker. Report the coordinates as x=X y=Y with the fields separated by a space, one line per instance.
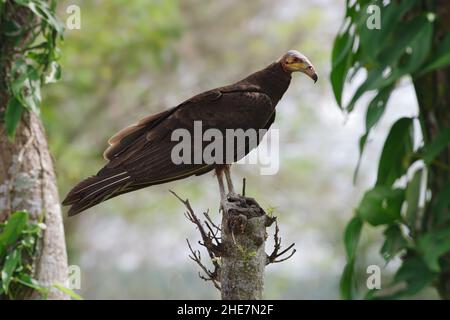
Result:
x=243 y=201
x=237 y=204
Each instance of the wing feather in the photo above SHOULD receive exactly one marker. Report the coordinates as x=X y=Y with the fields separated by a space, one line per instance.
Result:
x=143 y=151
x=122 y=139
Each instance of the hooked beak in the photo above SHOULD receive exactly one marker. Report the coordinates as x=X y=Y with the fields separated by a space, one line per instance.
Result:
x=310 y=72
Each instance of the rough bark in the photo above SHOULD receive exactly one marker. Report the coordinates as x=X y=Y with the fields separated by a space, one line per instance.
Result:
x=243 y=240
x=433 y=94
x=27 y=182
x=236 y=248
x=27 y=178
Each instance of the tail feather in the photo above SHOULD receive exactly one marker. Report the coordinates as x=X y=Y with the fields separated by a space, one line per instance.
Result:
x=94 y=190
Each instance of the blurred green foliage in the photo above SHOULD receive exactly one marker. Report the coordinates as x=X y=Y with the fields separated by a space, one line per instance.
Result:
x=18 y=240
x=402 y=46
x=125 y=42
x=31 y=27
x=18 y=246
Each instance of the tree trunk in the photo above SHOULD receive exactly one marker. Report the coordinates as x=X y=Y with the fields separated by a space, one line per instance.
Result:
x=27 y=182
x=243 y=239
x=27 y=178
x=433 y=94
x=238 y=254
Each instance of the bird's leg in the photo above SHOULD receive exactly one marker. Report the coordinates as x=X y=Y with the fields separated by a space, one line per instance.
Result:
x=228 y=177
x=219 y=175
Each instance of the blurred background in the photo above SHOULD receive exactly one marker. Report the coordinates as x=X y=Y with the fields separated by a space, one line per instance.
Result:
x=134 y=58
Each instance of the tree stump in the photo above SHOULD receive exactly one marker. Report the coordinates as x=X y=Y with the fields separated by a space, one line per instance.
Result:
x=237 y=248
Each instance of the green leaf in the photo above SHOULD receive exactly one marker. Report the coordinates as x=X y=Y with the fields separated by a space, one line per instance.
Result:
x=13 y=228
x=439 y=144
x=342 y=47
x=71 y=293
x=441 y=205
x=397 y=152
x=350 y=9
x=376 y=107
x=440 y=59
x=381 y=205
x=38 y=57
x=42 y=10
x=374 y=112
x=420 y=48
x=28 y=281
x=393 y=243
x=341 y=61
x=11 y=262
x=415 y=274
x=412 y=197
x=54 y=74
x=395 y=60
x=19 y=76
x=351 y=236
x=374 y=81
x=433 y=246
x=26 y=85
x=32 y=92
x=13 y=115
x=414 y=31
x=11 y=28
x=347 y=280
x=372 y=41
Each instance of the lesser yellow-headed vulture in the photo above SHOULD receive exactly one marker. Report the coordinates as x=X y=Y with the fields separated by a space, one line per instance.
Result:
x=141 y=155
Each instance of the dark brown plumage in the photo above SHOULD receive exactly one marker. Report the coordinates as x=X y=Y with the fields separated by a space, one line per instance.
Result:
x=140 y=155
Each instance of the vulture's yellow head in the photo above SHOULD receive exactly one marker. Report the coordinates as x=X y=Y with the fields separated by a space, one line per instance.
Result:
x=294 y=61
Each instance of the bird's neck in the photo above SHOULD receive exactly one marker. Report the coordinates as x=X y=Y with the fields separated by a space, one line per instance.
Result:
x=273 y=80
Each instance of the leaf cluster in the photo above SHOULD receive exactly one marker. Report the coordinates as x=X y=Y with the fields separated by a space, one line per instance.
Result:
x=29 y=34
x=403 y=46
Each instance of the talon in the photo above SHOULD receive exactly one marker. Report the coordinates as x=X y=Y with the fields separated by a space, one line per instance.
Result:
x=251 y=201
x=233 y=197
